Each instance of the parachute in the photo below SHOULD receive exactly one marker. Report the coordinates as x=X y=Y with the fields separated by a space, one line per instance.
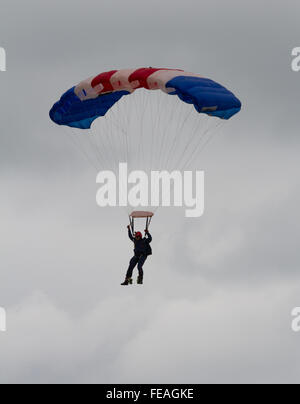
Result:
x=92 y=98
x=151 y=118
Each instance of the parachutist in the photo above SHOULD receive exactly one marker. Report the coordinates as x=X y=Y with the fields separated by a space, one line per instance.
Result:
x=142 y=250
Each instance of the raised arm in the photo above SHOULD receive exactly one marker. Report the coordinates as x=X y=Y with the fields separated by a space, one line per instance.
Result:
x=149 y=237
x=130 y=234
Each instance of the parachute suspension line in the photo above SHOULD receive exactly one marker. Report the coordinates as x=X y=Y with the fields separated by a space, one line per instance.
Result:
x=106 y=151
x=185 y=137
x=72 y=137
x=120 y=135
x=99 y=134
x=177 y=137
x=86 y=145
x=159 y=131
x=126 y=134
x=167 y=132
x=123 y=125
x=96 y=137
x=172 y=129
x=162 y=125
x=125 y=137
x=145 y=150
x=124 y=118
x=91 y=138
x=166 y=135
x=174 y=112
x=151 y=112
x=150 y=126
x=96 y=141
x=107 y=135
x=194 y=135
x=199 y=149
x=115 y=144
x=191 y=135
x=145 y=102
x=193 y=138
x=110 y=132
x=111 y=139
x=157 y=115
x=134 y=156
x=130 y=119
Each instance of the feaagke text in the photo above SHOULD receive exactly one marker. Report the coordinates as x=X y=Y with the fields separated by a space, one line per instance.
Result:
x=152 y=394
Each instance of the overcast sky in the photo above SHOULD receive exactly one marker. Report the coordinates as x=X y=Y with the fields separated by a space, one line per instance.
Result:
x=218 y=294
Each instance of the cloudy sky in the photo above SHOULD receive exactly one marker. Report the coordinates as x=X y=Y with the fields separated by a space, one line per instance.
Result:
x=219 y=291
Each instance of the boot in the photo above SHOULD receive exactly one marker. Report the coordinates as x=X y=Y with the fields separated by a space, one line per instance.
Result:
x=140 y=280
x=128 y=281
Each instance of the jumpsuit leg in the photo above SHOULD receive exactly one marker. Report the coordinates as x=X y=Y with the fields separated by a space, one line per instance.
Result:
x=133 y=262
x=141 y=263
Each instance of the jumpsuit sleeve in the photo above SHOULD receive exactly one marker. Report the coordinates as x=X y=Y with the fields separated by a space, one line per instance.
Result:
x=149 y=238
x=130 y=235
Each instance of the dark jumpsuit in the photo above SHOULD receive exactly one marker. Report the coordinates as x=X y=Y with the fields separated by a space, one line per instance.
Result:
x=141 y=251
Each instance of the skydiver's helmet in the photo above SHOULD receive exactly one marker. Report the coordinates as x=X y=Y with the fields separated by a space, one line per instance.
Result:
x=138 y=235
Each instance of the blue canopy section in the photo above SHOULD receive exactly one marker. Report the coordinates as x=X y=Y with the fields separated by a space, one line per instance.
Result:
x=73 y=112
x=206 y=95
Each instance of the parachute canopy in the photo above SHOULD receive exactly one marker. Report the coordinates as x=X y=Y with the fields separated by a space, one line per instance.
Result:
x=94 y=97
